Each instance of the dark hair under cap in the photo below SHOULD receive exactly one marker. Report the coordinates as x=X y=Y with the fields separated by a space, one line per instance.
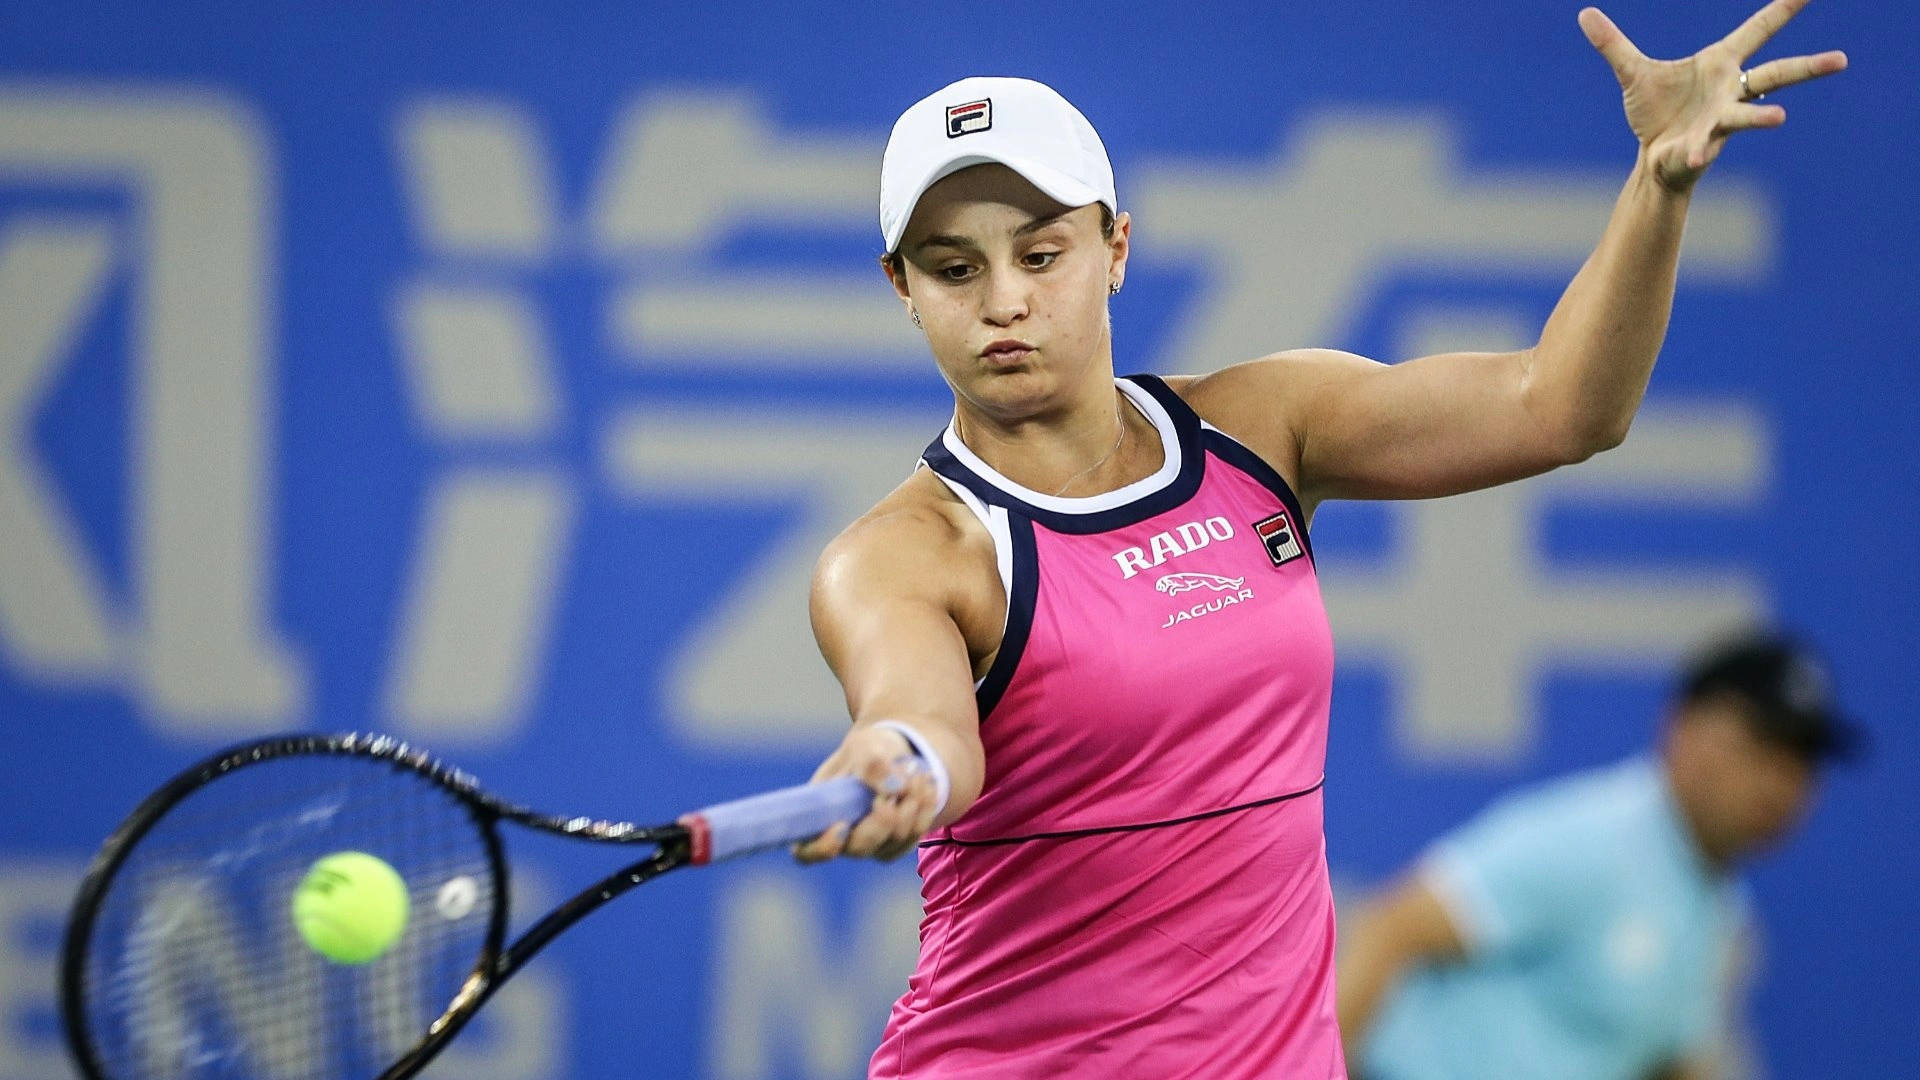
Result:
x=1787 y=689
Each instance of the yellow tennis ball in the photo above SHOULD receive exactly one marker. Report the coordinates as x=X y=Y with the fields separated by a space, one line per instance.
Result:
x=351 y=907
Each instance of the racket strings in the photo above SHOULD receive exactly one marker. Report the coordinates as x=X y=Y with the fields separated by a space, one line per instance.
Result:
x=196 y=969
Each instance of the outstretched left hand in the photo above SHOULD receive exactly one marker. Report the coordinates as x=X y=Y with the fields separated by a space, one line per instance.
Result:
x=1683 y=110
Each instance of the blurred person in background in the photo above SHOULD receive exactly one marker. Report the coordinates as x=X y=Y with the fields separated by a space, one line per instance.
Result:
x=1593 y=926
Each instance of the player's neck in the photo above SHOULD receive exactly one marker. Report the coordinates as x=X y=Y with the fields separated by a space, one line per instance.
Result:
x=1094 y=444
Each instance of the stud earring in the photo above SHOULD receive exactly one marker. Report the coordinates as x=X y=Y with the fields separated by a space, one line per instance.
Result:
x=1113 y=288
x=915 y=312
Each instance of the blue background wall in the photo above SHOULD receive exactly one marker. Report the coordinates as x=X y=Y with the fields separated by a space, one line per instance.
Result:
x=409 y=367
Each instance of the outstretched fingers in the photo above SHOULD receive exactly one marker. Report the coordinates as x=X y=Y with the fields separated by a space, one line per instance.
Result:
x=1705 y=141
x=1620 y=52
x=1793 y=70
x=1744 y=117
x=1761 y=25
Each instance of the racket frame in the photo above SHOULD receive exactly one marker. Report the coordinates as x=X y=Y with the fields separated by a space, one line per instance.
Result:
x=497 y=961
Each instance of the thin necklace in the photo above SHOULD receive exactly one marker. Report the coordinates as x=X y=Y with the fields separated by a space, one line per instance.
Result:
x=1117 y=419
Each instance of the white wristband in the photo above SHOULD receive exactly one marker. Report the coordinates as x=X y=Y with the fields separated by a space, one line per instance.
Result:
x=942 y=784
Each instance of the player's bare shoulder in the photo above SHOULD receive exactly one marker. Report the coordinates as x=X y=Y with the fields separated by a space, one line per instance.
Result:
x=1268 y=404
x=919 y=543
x=919 y=525
x=1273 y=385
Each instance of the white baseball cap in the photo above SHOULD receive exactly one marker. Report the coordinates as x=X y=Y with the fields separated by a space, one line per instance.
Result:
x=1025 y=125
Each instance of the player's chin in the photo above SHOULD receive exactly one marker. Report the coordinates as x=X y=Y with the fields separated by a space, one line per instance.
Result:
x=1016 y=387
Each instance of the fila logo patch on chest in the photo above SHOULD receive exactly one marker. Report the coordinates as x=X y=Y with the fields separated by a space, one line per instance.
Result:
x=1277 y=535
x=969 y=118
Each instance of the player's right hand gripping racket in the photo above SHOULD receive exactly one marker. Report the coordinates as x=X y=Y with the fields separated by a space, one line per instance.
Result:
x=181 y=959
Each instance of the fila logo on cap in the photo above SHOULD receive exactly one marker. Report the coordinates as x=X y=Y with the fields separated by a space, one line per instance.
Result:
x=1276 y=533
x=969 y=118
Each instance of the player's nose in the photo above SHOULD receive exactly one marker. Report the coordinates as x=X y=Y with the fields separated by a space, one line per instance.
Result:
x=1007 y=298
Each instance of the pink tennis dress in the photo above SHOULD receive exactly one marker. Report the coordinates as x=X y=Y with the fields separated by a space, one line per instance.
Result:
x=1141 y=889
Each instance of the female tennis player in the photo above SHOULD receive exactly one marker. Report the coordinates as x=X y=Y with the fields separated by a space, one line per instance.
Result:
x=1093 y=615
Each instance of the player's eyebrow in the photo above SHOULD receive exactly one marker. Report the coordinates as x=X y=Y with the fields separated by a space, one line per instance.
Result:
x=953 y=241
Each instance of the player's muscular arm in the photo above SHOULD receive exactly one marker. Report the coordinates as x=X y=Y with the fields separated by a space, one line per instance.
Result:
x=1455 y=422
x=888 y=602
x=1381 y=942
x=1439 y=425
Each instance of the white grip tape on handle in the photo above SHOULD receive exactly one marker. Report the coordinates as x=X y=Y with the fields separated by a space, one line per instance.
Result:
x=775 y=819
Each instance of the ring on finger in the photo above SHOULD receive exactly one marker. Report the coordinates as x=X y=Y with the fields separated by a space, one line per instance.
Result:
x=1746 y=91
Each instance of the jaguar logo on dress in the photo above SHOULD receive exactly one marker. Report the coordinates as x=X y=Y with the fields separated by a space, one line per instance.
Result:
x=1277 y=535
x=1229 y=592
x=1175 y=584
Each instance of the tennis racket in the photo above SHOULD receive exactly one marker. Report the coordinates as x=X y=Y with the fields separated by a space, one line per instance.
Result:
x=181 y=959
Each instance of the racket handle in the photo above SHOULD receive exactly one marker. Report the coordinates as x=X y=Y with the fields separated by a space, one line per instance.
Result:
x=775 y=819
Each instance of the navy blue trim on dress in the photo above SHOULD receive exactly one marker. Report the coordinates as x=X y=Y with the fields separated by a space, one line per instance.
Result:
x=1228 y=449
x=948 y=839
x=1013 y=641
x=1187 y=432
x=941 y=460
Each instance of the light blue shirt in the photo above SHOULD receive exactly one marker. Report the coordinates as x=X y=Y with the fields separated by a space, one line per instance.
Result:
x=1597 y=940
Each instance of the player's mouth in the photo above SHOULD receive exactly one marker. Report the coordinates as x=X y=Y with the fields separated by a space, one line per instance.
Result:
x=1006 y=352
